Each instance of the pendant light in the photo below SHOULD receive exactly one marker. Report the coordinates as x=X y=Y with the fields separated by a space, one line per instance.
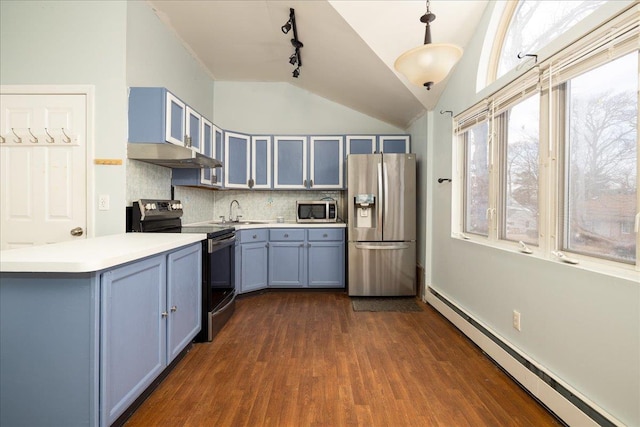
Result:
x=430 y=63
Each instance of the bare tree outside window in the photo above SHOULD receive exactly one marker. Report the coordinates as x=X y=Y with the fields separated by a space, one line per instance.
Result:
x=535 y=23
x=601 y=167
x=477 y=180
x=521 y=172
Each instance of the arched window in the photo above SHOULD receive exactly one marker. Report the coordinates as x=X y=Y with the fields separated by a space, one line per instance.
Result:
x=527 y=26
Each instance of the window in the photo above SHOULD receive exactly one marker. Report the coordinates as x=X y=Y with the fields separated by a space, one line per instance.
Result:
x=548 y=163
x=477 y=179
x=530 y=25
x=601 y=160
x=520 y=171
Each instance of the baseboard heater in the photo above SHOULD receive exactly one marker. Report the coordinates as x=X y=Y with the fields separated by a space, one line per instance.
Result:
x=583 y=412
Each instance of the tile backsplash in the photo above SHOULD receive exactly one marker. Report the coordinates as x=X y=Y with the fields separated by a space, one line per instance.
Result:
x=145 y=181
x=267 y=205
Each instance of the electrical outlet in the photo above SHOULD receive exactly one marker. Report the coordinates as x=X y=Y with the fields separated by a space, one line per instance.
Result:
x=516 y=320
x=103 y=202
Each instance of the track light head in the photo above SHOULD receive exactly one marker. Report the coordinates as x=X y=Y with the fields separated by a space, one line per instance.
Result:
x=286 y=27
x=296 y=43
x=293 y=59
x=296 y=73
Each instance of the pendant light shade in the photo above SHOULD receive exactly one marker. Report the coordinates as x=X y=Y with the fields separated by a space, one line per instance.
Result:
x=430 y=63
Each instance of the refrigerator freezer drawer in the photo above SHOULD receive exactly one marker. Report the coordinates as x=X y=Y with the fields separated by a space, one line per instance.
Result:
x=382 y=269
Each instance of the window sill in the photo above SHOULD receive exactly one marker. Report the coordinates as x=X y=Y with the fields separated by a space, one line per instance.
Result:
x=604 y=267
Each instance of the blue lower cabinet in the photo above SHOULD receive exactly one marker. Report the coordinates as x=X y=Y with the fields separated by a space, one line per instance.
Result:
x=287 y=257
x=251 y=260
x=326 y=257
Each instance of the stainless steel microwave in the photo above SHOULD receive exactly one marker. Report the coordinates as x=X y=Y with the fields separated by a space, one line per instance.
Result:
x=317 y=211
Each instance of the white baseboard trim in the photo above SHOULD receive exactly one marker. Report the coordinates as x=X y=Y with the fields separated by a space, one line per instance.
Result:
x=565 y=402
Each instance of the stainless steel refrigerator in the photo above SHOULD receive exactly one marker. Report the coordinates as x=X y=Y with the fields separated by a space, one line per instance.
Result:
x=382 y=224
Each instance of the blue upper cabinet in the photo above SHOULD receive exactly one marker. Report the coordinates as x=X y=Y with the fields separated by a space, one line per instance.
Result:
x=290 y=162
x=394 y=144
x=237 y=160
x=193 y=126
x=207 y=174
x=368 y=144
x=361 y=144
x=218 y=153
x=156 y=116
x=326 y=162
x=260 y=162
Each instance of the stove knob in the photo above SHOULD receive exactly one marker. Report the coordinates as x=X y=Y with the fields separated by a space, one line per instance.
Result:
x=153 y=206
x=147 y=206
x=179 y=205
x=174 y=206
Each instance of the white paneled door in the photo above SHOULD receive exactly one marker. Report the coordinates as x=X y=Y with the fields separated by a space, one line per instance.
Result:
x=43 y=169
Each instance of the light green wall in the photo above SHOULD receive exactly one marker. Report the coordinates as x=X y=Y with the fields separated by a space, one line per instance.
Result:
x=75 y=43
x=582 y=326
x=258 y=107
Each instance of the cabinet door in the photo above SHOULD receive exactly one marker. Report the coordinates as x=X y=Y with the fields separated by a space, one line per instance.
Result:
x=394 y=144
x=260 y=162
x=286 y=264
x=133 y=333
x=206 y=174
x=175 y=114
x=184 y=298
x=326 y=264
x=326 y=162
x=290 y=163
x=361 y=144
x=193 y=137
x=217 y=178
x=236 y=150
x=254 y=266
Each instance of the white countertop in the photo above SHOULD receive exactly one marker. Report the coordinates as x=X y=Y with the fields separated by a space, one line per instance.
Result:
x=244 y=225
x=94 y=254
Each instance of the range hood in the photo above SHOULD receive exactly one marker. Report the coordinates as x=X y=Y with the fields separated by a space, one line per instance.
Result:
x=170 y=156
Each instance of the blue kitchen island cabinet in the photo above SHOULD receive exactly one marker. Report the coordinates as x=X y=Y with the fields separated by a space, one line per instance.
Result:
x=77 y=348
x=251 y=260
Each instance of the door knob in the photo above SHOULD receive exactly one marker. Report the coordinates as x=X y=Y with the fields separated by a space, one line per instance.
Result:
x=78 y=231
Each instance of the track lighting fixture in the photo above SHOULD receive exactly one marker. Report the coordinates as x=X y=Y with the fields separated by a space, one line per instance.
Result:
x=295 y=58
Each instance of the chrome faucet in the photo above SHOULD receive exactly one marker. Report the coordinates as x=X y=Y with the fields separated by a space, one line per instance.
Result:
x=230 y=211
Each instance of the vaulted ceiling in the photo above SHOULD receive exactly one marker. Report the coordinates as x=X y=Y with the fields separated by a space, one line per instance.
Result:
x=349 y=45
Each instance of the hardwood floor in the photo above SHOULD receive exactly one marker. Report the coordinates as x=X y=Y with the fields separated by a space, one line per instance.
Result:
x=307 y=359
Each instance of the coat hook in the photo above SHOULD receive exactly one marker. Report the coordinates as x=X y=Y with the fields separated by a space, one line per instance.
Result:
x=447 y=111
x=35 y=138
x=50 y=141
x=17 y=141
x=523 y=55
x=66 y=138
x=441 y=180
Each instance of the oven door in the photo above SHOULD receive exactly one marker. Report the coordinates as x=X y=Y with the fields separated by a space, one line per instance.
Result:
x=218 y=285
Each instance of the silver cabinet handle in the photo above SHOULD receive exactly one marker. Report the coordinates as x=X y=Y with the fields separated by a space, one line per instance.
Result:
x=286 y=235
x=164 y=314
x=78 y=231
x=304 y=183
x=255 y=236
x=174 y=308
x=325 y=235
x=311 y=183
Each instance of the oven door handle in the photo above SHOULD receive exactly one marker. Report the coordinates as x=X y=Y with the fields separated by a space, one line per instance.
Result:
x=215 y=243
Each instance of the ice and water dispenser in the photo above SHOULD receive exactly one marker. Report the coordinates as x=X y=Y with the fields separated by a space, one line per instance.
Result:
x=365 y=212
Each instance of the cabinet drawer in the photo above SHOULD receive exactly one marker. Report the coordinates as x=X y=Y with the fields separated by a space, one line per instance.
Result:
x=326 y=234
x=252 y=236
x=286 y=235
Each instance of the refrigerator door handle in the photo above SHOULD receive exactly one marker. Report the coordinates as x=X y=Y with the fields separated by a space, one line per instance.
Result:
x=383 y=247
x=380 y=194
x=386 y=190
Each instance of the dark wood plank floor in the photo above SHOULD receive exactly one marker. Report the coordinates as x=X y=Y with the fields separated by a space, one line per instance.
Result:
x=307 y=359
